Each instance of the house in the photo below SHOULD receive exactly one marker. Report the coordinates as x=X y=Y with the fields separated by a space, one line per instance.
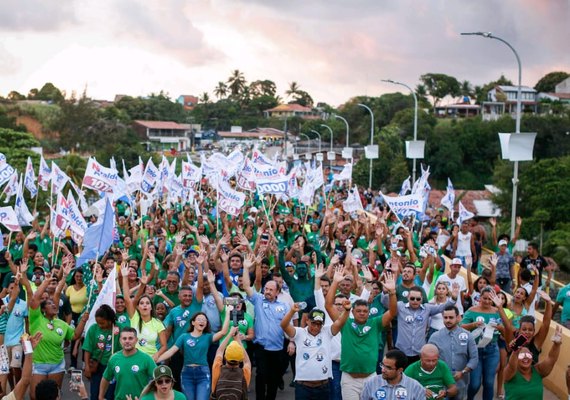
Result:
x=291 y=110
x=503 y=99
x=561 y=93
x=563 y=87
x=461 y=109
x=164 y=135
x=188 y=101
x=236 y=134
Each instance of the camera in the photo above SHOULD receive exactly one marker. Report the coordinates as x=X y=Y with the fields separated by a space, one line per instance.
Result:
x=232 y=301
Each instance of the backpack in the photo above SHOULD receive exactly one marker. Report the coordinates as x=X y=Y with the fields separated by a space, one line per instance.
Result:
x=231 y=385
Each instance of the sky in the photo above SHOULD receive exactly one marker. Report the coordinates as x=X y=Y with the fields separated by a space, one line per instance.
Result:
x=334 y=49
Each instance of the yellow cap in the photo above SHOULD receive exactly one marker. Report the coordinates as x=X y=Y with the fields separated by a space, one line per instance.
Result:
x=234 y=352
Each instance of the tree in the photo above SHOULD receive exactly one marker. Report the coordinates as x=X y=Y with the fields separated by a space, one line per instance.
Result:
x=236 y=83
x=293 y=89
x=32 y=93
x=303 y=98
x=16 y=147
x=440 y=85
x=467 y=89
x=550 y=80
x=221 y=90
x=204 y=98
x=49 y=92
x=482 y=92
x=15 y=96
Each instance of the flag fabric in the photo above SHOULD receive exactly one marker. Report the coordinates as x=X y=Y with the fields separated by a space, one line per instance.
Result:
x=9 y=219
x=353 y=202
x=229 y=200
x=81 y=195
x=448 y=200
x=345 y=174
x=23 y=214
x=99 y=236
x=98 y=177
x=11 y=187
x=30 y=179
x=77 y=223
x=246 y=176
x=405 y=205
x=44 y=174
x=105 y=296
x=149 y=178
x=59 y=218
x=6 y=170
x=406 y=186
x=58 y=178
x=464 y=214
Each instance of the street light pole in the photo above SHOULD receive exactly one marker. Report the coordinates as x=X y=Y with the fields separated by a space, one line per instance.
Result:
x=319 y=135
x=415 y=120
x=331 y=132
x=489 y=35
x=371 y=140
x=308 y=139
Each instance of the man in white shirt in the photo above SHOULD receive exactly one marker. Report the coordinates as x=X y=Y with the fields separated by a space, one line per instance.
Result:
x=313 y=360
x=452 y=278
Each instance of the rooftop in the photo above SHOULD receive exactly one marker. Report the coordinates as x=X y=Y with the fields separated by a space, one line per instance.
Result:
x=162 y=125
x=290 y=108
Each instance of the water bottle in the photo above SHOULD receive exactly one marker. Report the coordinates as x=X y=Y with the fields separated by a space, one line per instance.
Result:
x=302 y=305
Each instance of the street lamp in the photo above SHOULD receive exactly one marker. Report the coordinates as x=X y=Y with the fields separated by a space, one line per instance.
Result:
x=331 y=150
x=489 y=35
x=415 y=120
x=309 y=141
x=371 y=140
x=319 y=135
x=347 y=148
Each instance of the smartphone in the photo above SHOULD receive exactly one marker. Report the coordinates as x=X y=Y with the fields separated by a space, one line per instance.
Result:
x=76 y=379
x=264 y=239
x=519 y=342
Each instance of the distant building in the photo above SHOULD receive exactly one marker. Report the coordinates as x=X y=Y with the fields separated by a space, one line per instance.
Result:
x=292 y=110
x=503 y=99
x=188 y=101
x=563 y=87
x=561 y=93
x=254 y=134
x=462 y=109
x=164 y=135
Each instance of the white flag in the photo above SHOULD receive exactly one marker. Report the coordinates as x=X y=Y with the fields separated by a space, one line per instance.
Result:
x=6 y=170
x=77 y=223
x=448 y=200
x=30 y=179
x=99 y=178
x=11 y=187
x=345 y=174
x=44 y=174
x=149 y=177
x=9 y=219
x=406 y=186
x=58 y=178
x=105 y=296
x=353 y=202
x=464 y=214
x=23 y=214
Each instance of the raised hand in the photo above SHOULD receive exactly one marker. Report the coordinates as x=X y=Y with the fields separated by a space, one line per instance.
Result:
x=366 y=273
x=211 y=277
x=319 y=271
x=493 y=260
x=389 y=281
x=201 y=257
x=518 y=221
x=496 y=300
x=124 y=269
x=557 y=337
x=543 y=295
x=493 y=221
x=455 y=290
x=338 y=274
x=248 y=261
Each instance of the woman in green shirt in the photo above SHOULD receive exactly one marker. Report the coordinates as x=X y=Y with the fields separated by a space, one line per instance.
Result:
x=523 y=380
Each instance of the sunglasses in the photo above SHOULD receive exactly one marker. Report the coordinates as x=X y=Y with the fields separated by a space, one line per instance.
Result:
x=415 y=298
x=164 y=381
x=522 y=356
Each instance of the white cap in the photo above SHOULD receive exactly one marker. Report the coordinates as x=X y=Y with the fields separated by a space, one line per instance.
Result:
x=456 y=261
x=503 y=242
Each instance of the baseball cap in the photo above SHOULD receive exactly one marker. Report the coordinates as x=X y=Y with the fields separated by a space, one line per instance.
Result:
x=193 y=249
x=162 y=371
x=456 y=261
x=234 y=352
x=317 y=315
x=503 y=242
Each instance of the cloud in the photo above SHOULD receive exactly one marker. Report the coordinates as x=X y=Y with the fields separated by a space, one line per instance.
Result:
x=9 y=64
x=35 y=15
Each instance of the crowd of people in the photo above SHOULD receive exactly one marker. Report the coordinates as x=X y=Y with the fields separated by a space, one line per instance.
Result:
x=359 y=305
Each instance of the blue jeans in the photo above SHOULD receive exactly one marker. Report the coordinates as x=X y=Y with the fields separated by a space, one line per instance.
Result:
x=485 y=372
x=196 y=382
x=303 y=392
x=334 y=384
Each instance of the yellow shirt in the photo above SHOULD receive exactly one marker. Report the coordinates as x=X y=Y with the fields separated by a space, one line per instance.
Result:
x=147 y=337
x=77 y=298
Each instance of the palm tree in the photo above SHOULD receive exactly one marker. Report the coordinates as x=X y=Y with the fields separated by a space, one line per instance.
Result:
x=467 y=89
x=204 y=98
x=236 y=83
x=221 y=90
x=293 y=89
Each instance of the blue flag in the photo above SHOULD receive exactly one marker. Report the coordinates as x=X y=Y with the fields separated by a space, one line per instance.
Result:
x=98 y=237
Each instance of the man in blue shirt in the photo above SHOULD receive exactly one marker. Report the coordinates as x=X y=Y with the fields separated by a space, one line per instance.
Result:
x=14 y=330
x=269 y=338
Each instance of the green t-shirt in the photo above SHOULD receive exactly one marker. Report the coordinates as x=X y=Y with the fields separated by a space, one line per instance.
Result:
x=359 y=346
x=563 y=298
x=473 y=316
x=132 y=373
x=49 y=350
x=243 y=325
x=439 y=379
x=179 y=319
x=519 y=388
x=177 y=396
x=123 y=320
x=148 y=334
x=195 y=349
x=98 y=342
x=173 y=297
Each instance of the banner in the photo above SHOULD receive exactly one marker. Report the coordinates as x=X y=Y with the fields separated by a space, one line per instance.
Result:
x=464 y=214
x=58 y=178
x=230 y=200
x=98 y=177
x=77 y=223
x=44 y=174
x=345 y=174
x=6 y=170
x=404 y=205
x=149 y=177
x=30 y=179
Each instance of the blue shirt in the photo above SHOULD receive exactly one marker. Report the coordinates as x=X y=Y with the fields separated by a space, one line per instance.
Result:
x=268 y=316
x=179 y=317
x=195 y=349
x=210 y=308
x=16 y=325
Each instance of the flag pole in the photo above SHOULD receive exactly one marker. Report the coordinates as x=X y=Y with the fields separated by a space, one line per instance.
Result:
x=9 y=240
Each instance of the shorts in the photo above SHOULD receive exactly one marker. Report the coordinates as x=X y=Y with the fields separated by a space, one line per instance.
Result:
x=48 y=369
x=16 y=355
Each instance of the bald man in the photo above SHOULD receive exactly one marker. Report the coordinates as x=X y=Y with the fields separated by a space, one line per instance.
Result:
x=433 y=374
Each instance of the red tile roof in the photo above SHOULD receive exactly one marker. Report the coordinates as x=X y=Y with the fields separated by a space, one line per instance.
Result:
x=161 y=125
x=290 y=108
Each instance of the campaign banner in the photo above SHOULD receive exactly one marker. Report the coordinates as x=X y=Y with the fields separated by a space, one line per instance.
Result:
x=58 y=178
x=229 y=200
x=149 y=177
x=404 y=205
x=30 y=179
x=191 y=174
x=6 y=170
x=246 y=176
x=99 y=178
x=77 y=223
x=44 y=174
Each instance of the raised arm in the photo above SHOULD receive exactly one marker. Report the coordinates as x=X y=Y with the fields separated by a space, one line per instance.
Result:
x=329 y=301
x=545 y=366
x=247 y=283
x=390 y=286
x=547 y=318
x=226 y=326
x=286 y=321
x=128 y=301
x=168 y=353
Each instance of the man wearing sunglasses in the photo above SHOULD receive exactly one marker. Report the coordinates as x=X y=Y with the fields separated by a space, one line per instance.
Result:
x=392 y=383
x=313 y=357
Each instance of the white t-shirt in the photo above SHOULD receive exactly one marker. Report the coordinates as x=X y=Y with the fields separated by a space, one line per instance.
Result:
x=449 y=282
x=313 y=359
x=335 y=342
x=463 y=245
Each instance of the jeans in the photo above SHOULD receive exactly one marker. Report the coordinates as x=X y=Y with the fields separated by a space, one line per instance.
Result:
x=196 y=382
x=505 y=284
x=485 y=372
x=334 y=386
x=303 y=392
x=95 y=381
